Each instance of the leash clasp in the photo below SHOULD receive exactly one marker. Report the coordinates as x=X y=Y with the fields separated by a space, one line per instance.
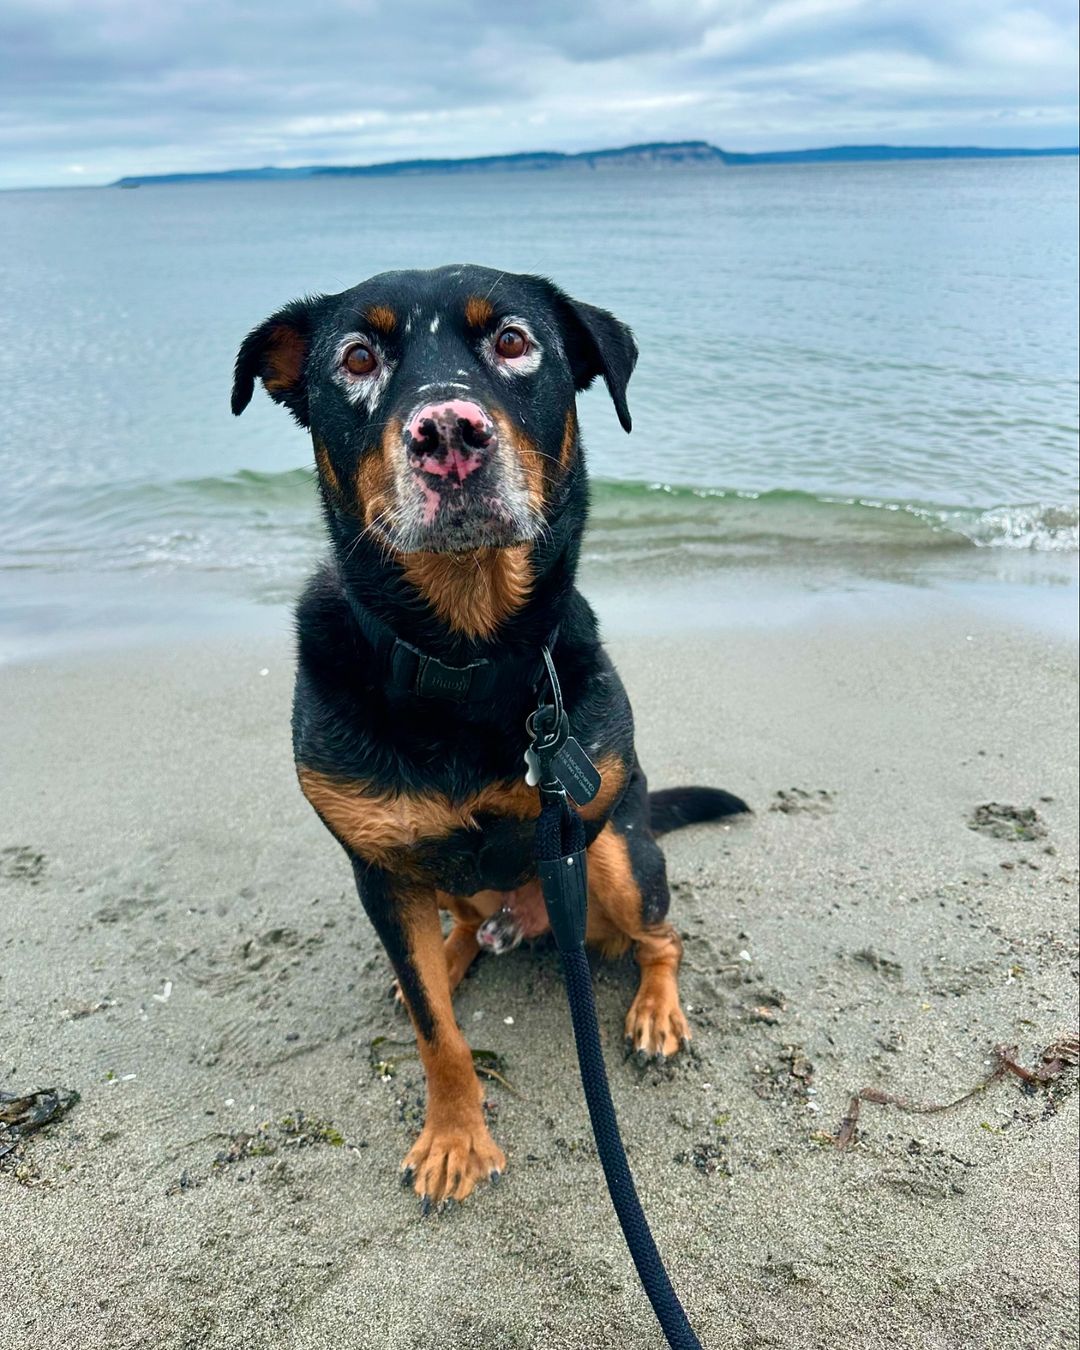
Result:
x=555 y=761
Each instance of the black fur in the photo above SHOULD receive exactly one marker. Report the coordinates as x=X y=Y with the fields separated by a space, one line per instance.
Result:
x=672 y=808
x=347 y=722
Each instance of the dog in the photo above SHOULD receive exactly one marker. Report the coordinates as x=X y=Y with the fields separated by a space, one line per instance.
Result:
x=441 y=406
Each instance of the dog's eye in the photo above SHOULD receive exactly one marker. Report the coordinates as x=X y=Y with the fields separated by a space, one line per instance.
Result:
x=511 y=343
x=359 y=360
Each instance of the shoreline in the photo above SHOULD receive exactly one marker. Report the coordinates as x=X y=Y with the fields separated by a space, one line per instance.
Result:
x=188 y=954
x=41 y=621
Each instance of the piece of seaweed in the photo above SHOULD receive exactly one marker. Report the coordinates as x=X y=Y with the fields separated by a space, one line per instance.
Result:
x=1059 y=1056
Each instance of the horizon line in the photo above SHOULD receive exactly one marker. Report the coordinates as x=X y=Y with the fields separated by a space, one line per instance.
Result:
x=435 y=163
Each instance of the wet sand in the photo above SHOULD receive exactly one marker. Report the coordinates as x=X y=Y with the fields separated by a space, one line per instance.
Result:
x=181 y=944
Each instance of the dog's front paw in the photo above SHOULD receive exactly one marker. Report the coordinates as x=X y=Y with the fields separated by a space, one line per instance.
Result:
x=446 y=1162
x=656 y=1026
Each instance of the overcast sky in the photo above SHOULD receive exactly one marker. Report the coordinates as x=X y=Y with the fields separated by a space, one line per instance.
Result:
x=92 y=89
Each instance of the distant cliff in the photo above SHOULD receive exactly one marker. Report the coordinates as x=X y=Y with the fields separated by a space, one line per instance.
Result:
x=654 y=154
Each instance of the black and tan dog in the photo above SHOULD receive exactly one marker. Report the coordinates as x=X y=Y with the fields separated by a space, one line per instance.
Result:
x=442 y=409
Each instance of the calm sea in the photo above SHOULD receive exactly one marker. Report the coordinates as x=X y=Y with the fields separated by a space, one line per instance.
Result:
x=848 y=375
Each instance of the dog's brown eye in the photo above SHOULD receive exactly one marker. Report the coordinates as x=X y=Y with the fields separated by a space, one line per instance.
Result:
x=511 y=343
x=359 y=360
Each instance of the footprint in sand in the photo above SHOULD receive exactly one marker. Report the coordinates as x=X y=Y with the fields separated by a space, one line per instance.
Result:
x=20 y=862
x=803 y=801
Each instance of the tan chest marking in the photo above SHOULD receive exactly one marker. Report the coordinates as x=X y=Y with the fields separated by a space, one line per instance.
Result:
x=473 y=593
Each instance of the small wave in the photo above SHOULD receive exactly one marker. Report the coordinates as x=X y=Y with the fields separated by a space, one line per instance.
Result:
x=293 y=487
x=1049 y=527
x=1045 y=529
x=733 y=514
x=266 y=527
x=625 y=504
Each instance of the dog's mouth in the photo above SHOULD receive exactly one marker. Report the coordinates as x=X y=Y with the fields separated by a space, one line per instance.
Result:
x=458 y=519
x=459 y=488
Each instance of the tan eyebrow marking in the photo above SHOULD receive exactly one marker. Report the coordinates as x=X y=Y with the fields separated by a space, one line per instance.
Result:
x=478 y=311
x=382 y=317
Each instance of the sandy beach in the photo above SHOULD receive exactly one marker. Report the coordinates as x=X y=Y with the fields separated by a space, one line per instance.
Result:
x=182 y=946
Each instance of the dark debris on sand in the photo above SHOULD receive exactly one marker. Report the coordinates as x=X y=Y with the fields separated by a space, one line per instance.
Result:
x=298 y=1130
x=23 y=1114
x=1015 y=823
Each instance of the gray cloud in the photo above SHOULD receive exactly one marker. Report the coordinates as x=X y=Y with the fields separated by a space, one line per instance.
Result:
x=91 y=89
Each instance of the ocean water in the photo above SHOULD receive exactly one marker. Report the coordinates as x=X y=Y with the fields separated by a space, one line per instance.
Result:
x=849 y=375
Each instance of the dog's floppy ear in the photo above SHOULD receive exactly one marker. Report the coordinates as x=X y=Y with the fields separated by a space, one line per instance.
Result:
x=276 y=352
x=597 y=343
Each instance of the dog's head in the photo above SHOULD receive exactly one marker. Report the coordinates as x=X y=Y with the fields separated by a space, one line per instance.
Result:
x=441 y=403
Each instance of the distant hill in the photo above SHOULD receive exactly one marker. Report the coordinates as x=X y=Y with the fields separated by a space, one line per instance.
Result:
x=655 y=154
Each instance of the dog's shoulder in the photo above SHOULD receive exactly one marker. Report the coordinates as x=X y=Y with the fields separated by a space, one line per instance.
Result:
x=322 y=621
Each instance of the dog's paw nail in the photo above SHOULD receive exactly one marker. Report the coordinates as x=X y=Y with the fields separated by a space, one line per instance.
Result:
x=425 y=1205
x=494 y=1176
x=641 y=1058
x=448 y=1206
x=661 y=1059
x=406 y=1175
x=628 y=1047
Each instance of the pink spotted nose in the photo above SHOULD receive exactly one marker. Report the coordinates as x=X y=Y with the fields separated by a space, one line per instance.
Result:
x=450 y=440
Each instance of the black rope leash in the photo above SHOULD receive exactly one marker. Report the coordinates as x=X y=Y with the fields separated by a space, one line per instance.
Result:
x=555 y=766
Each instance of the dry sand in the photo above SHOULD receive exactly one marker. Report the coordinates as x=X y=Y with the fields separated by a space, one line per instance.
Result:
x=181 y=944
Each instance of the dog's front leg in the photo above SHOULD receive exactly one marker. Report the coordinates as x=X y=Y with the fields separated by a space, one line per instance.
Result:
x=455 y=1149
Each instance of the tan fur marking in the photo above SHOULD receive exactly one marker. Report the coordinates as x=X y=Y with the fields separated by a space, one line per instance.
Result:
x=473 y=593
x=285 y=352
x=614 y=898
x=322 y=461
x=382 y=826
x=373 y=486
x=478 y=311
x=566 y=450
x=369 y=478
x=655 y=1024
x=613 y=775
x=472 y=911
x=528 y=456
x=382 y=318
x=460 y=949
x=454 y=1150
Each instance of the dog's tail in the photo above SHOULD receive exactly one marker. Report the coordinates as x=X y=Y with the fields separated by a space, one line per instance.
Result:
x=672 y=808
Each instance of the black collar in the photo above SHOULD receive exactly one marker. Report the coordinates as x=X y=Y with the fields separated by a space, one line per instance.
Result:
x=405 y=669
